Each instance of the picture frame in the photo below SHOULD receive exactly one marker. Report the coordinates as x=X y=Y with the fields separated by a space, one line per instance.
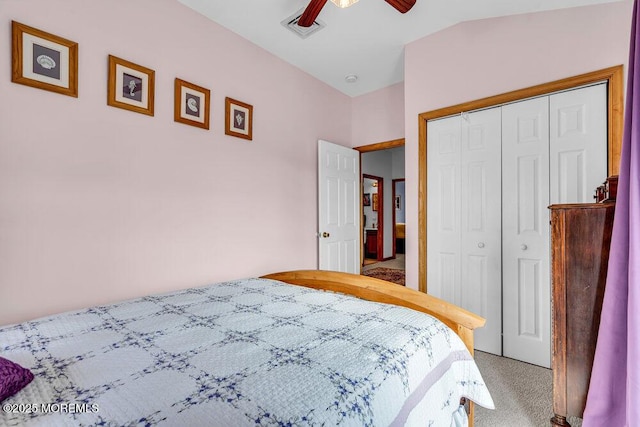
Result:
x=43 y=60
x=191 y=104
x=398 y=205
x=238 y=119
x=130 y=86
x=374 y=202
x=366 y=199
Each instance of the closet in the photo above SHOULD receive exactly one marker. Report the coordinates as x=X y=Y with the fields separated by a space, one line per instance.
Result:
x=491 y=174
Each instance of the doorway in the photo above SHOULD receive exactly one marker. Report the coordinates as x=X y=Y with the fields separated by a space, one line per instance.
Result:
x=386 y=161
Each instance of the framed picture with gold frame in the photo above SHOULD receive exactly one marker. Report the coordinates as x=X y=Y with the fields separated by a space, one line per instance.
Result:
x=374 y=201
x=131 y=86
x=238 y=119
x=43 y=60
x=191 y=104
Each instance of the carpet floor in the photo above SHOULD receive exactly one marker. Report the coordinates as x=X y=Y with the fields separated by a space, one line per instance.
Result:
x=388 y=274
x=521 y=392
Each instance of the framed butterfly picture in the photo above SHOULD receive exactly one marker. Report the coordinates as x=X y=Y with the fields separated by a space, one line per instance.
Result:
x=238 y=119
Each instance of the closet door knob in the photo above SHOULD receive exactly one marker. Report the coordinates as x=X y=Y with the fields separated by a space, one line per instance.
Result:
x=481 y=245
x=523 y=247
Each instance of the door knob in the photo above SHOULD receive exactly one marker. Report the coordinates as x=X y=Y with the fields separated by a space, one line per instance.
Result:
x=325 y=234
x=481 y=245
x=523 y=247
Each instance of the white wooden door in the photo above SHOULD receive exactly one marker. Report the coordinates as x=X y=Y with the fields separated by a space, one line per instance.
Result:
x=443 y=209
x=463 y=218
x=526 y=287
x=551 y=149
x=578 y=132
x=480 y=243
x=338 y=208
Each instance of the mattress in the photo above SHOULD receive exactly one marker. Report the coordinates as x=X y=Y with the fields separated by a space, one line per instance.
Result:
x=248 y=352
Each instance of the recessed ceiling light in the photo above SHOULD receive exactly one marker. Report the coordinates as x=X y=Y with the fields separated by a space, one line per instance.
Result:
x=351 y=78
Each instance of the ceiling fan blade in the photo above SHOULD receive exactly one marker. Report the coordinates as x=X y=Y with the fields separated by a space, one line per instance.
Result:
x=402 y=6
x=311 y=13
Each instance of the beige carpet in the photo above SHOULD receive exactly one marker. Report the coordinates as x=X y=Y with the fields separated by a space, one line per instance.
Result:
x=521 y=392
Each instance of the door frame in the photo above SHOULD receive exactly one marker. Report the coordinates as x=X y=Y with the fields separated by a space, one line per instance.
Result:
x=379 y=146
x=380 y=210
x=614 y=76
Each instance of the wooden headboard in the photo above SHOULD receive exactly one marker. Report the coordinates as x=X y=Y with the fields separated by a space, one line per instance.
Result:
x=400 y=230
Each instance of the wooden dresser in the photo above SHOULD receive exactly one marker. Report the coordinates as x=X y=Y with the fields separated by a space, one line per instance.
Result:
x=371 y=245
x=580 y=240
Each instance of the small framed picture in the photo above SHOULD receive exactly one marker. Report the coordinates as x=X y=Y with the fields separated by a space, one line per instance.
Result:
x=238 y=119
x=398 y=203
x=43 y=60
x=374 y=202
x=191 y=104
x=131 y=86
x=366 y=199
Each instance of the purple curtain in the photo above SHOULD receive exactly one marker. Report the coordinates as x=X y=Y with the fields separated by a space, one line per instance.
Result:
x=614 y=391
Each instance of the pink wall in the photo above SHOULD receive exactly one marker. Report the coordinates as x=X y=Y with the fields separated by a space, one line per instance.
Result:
x=98 y=204
x=477 y=59
x=378 y=116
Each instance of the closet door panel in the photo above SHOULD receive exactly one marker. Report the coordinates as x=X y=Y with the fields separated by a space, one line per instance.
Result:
x=463 y=218
x=443 y=209
x=578 y=132
x=525 y=231
x=480 y=247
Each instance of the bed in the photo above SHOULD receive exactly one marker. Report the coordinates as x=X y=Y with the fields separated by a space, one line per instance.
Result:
x=256 y=352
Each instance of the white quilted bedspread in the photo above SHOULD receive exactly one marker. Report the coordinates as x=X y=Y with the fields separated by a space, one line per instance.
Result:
x=251 y=352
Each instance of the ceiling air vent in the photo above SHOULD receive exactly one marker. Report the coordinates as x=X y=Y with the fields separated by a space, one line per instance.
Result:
x=292 y=24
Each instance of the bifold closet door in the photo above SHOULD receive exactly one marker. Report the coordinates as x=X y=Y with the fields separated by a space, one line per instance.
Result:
x=525 y=231
x=554 y=150
x=463 y=211
x=443 y=209
x=578 y=143
x=491 y=175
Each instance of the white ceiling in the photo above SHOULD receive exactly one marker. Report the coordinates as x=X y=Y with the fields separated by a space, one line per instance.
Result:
x=366 y=39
